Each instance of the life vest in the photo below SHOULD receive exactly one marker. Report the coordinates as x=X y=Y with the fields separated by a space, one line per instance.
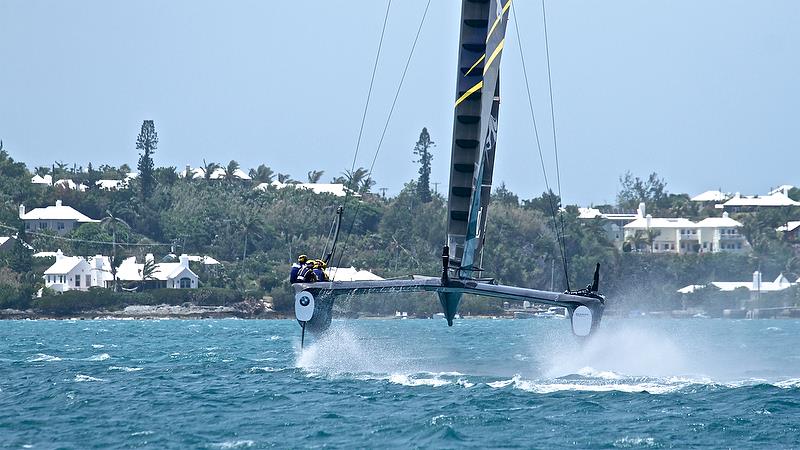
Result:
x=293 y=273
x=306 y=275
x=321 y=275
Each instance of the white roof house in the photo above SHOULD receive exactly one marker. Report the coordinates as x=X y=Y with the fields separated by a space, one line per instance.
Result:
x=789 y=227
x=112 y=185
x=337 y=189
x=46 y=180
x=218 y=173
x=59 y=218
x=710 y=196
x=166 y=275
x=70 y=273
x=71 y=185
x=757 y=285
x=776 y=199
x=681 y=235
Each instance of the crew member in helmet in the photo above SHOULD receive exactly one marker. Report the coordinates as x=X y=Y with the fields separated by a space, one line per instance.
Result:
x=319 y=272
x=306 y=273
x=301 y=261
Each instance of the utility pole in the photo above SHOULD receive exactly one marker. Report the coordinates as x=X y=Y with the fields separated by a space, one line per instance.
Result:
x=383 y=192
x=436 y=186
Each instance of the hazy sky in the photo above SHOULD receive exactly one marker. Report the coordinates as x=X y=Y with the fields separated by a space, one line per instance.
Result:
x=706 y=93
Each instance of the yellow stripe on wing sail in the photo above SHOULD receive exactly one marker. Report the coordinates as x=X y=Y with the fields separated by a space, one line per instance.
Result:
x=469 y=92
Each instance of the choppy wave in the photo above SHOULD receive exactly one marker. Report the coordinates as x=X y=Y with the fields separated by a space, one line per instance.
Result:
x=245 y=443
x=125 y=369
x=79 y=378
x=100 y=357
x=41 y=357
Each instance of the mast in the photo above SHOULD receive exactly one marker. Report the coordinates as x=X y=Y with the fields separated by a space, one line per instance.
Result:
x=483 y=26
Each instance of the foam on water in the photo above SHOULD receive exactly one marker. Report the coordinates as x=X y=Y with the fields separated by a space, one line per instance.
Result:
x=41 y=357
x=342 y=350
x=628 y=350
x=100 y=357
x=125 y=369
x=79 y=378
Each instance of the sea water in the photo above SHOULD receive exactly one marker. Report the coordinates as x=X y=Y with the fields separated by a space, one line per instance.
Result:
x=222 y=384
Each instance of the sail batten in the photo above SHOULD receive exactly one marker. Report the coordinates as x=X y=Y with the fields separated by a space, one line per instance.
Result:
x=481 y=44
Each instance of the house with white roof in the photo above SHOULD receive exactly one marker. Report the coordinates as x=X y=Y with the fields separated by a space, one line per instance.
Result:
x=112 y=185
x=680 y=235
x=791 y=230
x=166 y=275
x=740 y=202
x=756 y=287
x=71 y=273
x=59 y=218
x=71 y=185
x=716 y=234
x=46 y=180
x=710 y=196
x=199 y=173
x=613 y=222
x=336 y=189
x=76 y=273
x=7 y=243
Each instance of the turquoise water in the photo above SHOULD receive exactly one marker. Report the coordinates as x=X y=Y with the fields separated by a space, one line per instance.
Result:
x=399 y=383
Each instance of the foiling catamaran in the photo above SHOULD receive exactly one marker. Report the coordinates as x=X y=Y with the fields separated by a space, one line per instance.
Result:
x=483 y=27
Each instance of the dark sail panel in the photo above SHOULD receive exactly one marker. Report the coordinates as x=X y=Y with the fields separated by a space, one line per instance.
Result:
x=483 y=25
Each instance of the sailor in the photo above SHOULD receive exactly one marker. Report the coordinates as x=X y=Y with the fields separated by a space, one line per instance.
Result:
x=318 y=270
x=301 y=261
x=306 y=273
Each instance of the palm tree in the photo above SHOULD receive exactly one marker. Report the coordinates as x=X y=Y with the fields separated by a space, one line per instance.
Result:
x=263 y=174
x=650 y=237
x=148 y=271
x=111 y=222
x=356 y=180
x=251 y=223
x=41 y=171
x=636 y=240
x=230 y=171
x=285 y=178
x=315 y=175
x=208 y=169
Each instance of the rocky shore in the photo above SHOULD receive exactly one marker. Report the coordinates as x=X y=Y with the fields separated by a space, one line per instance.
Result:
x=241 y=310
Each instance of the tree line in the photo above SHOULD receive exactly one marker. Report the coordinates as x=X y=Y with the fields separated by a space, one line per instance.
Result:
x=258 y=233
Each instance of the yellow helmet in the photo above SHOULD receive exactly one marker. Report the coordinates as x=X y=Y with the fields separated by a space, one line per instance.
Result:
x=302 y=258
x=317 y=264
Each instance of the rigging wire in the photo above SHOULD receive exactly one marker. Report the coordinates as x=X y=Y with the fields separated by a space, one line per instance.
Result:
x=555 y=140
x=371 y=84
x=385 y=128
x=558 y=231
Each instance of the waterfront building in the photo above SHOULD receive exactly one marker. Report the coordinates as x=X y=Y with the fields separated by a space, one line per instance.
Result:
x=777 y=199
x=59 y=218
x=680 y=235
x=710 y=196
x=756 y=287
x=176 y=275
x=73 y=273
x=790 y=231
x=337 y=189
x=70 y=273
x=46 y=180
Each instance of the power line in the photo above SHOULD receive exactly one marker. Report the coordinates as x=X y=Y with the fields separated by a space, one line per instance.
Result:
x=86 y=241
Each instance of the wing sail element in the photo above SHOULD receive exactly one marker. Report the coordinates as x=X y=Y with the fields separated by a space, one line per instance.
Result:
x=483 y=27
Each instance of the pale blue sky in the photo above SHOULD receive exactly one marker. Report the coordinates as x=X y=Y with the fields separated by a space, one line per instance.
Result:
x=704 y=92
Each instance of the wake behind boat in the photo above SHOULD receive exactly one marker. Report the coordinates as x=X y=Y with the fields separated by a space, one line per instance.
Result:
x=481 y=43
